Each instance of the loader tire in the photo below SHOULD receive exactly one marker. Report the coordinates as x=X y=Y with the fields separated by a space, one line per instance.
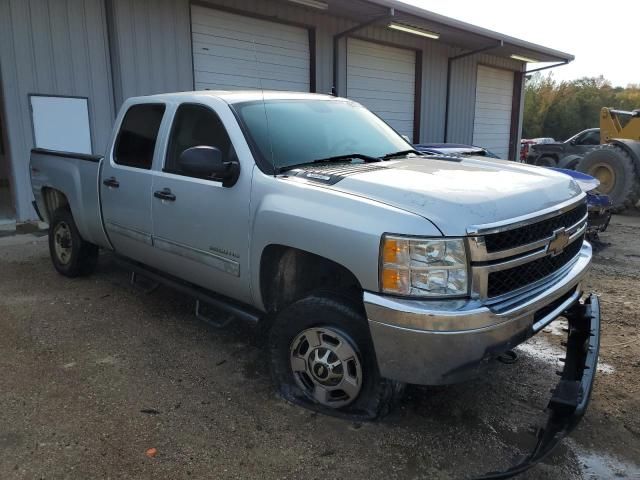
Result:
x=614 y=168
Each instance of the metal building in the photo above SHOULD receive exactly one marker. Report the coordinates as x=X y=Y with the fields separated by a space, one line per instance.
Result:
x=67 y=65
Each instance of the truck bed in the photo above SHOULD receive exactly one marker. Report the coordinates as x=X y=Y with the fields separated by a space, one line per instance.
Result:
x=77 y=177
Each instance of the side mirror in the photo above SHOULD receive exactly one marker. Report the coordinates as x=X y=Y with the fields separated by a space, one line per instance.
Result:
x=206 y=162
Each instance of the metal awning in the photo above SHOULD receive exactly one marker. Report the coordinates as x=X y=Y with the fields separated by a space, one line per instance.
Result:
x=451 y=31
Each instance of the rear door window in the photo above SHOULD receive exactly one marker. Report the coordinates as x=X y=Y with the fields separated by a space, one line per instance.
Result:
x=138 y=134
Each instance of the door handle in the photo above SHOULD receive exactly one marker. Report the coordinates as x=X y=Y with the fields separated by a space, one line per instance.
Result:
x=165 y=194
x=111 y=182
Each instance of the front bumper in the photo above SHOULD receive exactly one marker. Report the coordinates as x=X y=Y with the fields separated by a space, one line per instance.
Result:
x=434 y=343
x=571 y=396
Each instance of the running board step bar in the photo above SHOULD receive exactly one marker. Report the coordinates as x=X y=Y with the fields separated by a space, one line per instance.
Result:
x=230 y=307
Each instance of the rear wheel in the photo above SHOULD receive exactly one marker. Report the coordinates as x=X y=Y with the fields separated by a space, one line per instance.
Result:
x=613 y=167
x=70 y=254
x=570 y=162
x=546 y=161
x=322 y=358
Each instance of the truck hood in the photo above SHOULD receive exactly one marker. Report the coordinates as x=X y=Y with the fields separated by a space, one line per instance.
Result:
x=457 y=193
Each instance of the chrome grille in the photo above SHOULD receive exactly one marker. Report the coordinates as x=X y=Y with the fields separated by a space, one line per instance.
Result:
x=505 y=281
x=509 y=258
x=534 y=232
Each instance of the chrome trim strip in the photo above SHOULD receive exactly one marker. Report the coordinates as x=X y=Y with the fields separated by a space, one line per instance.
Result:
x=555 y=313
x=495 y=267
x=576 y=225
x=128 y=232
x=208 y=258
x=513 y=223
x=577 y=233
x=478 y=247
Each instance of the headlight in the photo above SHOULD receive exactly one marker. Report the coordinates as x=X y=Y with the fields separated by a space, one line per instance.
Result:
x=423 y=267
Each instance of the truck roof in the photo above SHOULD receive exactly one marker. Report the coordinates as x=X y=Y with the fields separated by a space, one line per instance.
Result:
x=235 y=96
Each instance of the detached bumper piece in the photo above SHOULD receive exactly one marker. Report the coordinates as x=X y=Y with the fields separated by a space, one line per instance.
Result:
x=571 y=396
x=599 y=219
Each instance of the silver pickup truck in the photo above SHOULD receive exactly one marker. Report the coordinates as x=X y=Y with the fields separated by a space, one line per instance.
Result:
x=371 y=264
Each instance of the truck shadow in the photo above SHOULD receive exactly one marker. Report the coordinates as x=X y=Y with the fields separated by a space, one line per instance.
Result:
x=483 y=424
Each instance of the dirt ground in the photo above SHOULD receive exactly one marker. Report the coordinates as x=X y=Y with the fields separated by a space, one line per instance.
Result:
x=94 y=372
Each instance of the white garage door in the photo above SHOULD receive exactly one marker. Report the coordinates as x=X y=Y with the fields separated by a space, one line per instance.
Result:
x=494 y=97
x=383 y=79
x=232 y=52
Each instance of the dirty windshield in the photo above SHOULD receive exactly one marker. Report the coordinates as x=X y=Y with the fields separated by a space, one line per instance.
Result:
x=304 y=131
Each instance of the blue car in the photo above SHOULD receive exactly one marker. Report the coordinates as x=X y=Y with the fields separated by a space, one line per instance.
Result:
x=599 y=205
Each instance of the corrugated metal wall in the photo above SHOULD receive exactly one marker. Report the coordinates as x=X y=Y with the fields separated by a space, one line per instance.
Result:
x=462 y=96
x=151 y=47
x=149 y=33
x=62 y=47
x=56 y=47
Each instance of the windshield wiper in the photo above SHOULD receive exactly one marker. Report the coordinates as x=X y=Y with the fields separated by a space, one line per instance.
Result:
x=337 y=158
x=401 y=153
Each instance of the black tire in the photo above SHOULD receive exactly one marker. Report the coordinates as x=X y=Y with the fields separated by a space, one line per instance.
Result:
x=613 y=166
x=377 y=396
x=546 y=161
x=570 y=162
x=70 y=254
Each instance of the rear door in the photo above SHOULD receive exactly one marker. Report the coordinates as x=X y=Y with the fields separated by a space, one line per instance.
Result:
x=125 y=182
x=200 y=227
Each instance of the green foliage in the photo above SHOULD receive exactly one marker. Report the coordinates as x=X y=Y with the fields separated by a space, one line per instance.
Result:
x=561 y=109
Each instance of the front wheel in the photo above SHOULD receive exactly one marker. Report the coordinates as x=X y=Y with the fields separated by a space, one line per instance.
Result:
x=70 y=254
x=322 y=358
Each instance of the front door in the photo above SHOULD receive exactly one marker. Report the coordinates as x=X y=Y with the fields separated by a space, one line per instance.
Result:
x=126 y=180
x=586 y=142
x=201 y=228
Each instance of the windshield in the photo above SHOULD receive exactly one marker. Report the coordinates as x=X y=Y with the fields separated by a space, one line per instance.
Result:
x=302 y=131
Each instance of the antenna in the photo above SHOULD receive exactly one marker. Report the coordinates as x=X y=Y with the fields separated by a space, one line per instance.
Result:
x=264 y=105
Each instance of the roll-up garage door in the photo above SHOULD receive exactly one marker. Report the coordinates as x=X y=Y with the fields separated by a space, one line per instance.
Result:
x=494 y=99
x=383 y=79
x=232 y=52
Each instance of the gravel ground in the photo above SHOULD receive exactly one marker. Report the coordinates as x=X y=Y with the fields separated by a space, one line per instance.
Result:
x=93 y=373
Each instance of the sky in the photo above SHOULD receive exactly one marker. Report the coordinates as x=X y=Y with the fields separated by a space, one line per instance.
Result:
x=604 y=42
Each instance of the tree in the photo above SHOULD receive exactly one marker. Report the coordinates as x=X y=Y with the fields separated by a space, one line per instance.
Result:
x=561 y=109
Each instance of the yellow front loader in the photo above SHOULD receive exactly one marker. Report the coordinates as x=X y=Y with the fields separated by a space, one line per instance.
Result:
x=616 y=163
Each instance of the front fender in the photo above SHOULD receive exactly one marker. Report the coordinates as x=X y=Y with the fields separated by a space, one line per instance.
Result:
x=343 y=228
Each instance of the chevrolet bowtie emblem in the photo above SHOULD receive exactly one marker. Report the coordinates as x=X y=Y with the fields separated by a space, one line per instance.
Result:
x=558 y=242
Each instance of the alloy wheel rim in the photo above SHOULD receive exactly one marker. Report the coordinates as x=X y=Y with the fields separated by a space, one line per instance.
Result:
x=62 y=242
x=326 y=367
